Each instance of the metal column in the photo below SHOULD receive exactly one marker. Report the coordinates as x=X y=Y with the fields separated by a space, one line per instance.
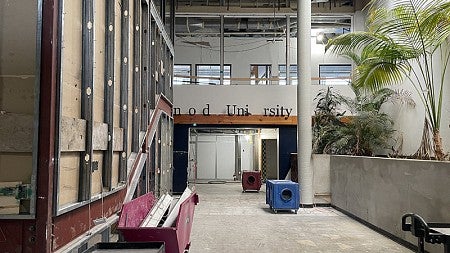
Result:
x=47 y=126
x=288 y=50
x=124 y=68
x=87 y=95
x=222 y=49
x=304 y=130
x=109 y=91
x=136 y=77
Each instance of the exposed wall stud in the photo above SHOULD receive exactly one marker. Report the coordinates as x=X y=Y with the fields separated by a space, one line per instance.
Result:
x=124 y=67
x=87 y=76
x=109 y=91
x=145 y=59
x=136 y=77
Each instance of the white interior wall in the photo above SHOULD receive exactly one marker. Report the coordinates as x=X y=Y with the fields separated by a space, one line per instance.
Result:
x=408 y=121
x=243 y=52
x=215 y=156
x=257 y=97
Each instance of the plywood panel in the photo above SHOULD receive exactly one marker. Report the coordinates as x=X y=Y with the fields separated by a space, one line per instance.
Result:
x=117 y=62
x=16 y=132
x=118 y=139
x=73 y=133
x=9 y=204
x=99 y=60
x=68 y=178
x=130 y=73
x=115 y=169
x=15 y=167
x=18 y=37
x=17 y=93
x=97 y=174
x=71 y=58
x=98 y=108
x=71 y=99
x=100 y=136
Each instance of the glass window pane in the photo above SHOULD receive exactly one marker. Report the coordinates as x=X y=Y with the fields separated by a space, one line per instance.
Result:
x=292 y=74
x=210 y=74
x=335 y=74
x=260 y=73
x=182 y=74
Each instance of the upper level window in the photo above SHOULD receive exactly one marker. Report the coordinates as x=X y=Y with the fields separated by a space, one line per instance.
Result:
x=182 y=73
x=282 y=74
x=260 y=74
x=335 y=74
x=210 y=74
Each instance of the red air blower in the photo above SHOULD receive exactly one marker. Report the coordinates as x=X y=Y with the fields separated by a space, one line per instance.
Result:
x=251 y=180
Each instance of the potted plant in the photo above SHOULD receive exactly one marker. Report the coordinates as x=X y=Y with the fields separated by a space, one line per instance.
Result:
x=401 y=43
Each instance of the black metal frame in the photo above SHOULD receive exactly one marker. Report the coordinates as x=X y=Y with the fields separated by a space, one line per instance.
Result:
x=145 y=60
x=109 y=91
x=136 y=77
x=124 y=68
x=87 y=92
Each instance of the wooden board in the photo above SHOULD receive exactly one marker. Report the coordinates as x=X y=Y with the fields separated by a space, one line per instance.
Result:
x=99 y=60
x=16 y=132
x=172 y=217
x=158 y=210
x=233 y=120
x=73 y=133
x=68 y=178
x=131 y=63
x=96 y=179
x=115 y=169
x=71 y=58
x=9 y=204
x=117 y=62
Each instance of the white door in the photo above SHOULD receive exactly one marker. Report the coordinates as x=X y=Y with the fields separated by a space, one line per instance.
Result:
x=206 y=158
x=246 y=153
x=225 y=153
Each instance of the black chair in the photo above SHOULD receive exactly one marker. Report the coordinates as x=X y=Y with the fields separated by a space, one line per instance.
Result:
x=425 y=231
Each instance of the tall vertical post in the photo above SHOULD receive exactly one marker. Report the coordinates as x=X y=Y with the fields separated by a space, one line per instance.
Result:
x=87 y=91
x=47 y=125
x=109 y=91
x=222 y=49
x=124 y=68
x=288 y=50
x=136 y=119
x=304 y=130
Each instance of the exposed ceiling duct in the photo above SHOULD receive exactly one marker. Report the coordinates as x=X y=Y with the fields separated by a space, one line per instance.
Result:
x=254 y=26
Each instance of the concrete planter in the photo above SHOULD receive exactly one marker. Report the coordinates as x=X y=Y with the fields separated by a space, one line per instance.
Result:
x=321 y=167
x=380 y=190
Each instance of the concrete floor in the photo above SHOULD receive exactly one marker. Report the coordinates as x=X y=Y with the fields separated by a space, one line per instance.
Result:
x=227 y=220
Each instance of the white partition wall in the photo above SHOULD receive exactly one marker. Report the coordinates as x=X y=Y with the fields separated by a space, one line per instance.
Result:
x=225 y=154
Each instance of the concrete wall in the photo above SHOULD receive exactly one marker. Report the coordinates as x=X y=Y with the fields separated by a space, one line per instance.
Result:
x=321 y=167
x=381 y=190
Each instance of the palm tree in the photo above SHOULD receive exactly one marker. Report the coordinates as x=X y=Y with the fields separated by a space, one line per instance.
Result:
x=402 y=39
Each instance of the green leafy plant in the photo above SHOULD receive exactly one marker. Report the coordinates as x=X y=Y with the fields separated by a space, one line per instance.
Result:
x=402 y=41
x=364 y=133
